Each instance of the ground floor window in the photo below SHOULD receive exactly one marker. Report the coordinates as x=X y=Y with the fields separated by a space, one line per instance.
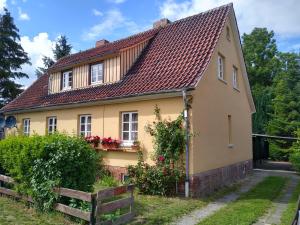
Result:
x=85 y=125
x=129 y=127
x=26 y=127
x=52 y=124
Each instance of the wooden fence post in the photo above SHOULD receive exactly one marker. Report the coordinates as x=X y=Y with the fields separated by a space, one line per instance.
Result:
x=98 y=208
x=93 y=212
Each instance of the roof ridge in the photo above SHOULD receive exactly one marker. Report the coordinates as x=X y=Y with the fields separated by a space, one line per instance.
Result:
x=202 y=13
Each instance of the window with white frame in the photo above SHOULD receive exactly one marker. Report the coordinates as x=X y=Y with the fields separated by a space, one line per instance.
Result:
x=52 y=124
x=221 y=67
x=235 y=77
x=26 y=127
x=129 y=127
x=85 y=125
x=67 y=80
x=97 y=73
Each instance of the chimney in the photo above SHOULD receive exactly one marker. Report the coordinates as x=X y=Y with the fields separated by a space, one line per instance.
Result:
x=101 y=42
x=161 y=23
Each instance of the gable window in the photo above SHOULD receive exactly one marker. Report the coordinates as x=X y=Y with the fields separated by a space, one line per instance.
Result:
x=52 y=124
x=26 y=127
x=235 y=77
x=97 y=73
x=221 y=67
x=129 y=127
x=85 y=125
x=67 y=80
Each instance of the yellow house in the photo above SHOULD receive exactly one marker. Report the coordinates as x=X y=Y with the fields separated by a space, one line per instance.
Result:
x=112 y=89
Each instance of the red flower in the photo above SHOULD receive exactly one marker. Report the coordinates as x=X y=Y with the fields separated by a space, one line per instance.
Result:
x=161 y=158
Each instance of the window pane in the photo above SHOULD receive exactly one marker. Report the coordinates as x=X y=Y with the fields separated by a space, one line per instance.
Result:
x=125 y=126
x=134 y=136
x=82 y=128
x=125 y=117
x=89 y=127
x=134 y=126
x=82 y=119
x=89 y=119
x=134 y=117
x=125 y=136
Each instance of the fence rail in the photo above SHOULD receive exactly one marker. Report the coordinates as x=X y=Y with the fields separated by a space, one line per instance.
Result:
x=102 y=202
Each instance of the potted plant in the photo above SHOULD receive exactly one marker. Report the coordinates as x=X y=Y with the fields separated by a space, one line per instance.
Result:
x=93 y=140
x=136 y=145
x=109 y=143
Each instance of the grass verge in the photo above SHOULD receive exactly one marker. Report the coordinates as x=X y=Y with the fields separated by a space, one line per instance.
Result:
x=288 y=214
x=250 y=205
x=162 y=210
x=14 y=212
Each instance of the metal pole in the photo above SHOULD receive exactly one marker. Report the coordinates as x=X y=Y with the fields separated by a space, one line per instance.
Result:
x=186 y=119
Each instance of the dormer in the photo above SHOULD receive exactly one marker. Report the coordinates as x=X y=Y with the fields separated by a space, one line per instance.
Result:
x=105 y=64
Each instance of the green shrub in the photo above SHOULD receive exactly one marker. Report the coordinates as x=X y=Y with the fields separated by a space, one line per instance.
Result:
x=40 y=163
x=295 y=156
x=159 y=179
x=279 y=154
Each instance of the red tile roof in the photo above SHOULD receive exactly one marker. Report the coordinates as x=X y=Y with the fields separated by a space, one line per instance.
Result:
x=175 y=58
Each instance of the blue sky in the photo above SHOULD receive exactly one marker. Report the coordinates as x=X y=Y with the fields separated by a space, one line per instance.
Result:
x=41 y=21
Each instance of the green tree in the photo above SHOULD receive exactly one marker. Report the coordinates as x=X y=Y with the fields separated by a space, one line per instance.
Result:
x=260 y=53
x=285 y=117
x=12 y=57
x=61 y=49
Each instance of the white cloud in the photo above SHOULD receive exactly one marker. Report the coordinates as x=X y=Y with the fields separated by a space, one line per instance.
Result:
x=282 y=17
x=2 y=5
x=13 y=2
x=23 y=15
x=117 y=1
x=113 y=20
x=97 y=12
x=37 y=47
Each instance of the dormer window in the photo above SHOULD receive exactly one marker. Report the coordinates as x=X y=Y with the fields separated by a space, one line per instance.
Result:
x=67 y=80
x=97 y=73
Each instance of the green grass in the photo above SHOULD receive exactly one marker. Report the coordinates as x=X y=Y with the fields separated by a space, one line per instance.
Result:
x=163 y=210
x=288 y=215
x=250 y=205
x=14 y=212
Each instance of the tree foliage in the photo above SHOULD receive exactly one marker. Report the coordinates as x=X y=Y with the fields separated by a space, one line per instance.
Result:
x=61 y=49
x=275 y=83
x=12 y=57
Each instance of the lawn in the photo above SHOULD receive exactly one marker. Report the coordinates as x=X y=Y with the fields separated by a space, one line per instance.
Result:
x=250 y=205
x=14 y=212
x=289 y=213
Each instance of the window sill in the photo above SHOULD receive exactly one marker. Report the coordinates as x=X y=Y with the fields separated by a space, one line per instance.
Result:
x=235 y=88
x=96 y=83
x=230 y=146
x=224 y=81
x=119 y=149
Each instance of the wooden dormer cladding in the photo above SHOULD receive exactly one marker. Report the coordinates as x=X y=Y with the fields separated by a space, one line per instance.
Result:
x=129 y=56
x=114 y=69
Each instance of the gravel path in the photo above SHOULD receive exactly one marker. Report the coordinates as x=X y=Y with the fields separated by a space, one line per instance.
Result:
x=198 y=215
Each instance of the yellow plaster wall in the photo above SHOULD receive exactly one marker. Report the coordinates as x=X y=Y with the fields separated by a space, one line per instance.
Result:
x=106 y=122
x=213 y=101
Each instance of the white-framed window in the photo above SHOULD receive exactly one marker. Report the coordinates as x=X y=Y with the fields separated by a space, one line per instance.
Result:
x=129 y=127
x=85 y=125
x=221 y=67
x=52 y=121
x=26 y=127
x=235 y=77
x=67 y=80
x=97 y=73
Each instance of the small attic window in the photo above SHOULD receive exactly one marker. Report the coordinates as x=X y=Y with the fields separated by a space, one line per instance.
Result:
x=228 y=33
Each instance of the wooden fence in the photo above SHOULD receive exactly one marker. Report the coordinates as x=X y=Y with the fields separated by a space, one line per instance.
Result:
x=296 y=220
x=103 y=202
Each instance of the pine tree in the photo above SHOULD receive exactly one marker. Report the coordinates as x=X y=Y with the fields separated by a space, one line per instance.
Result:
x=12 y=57
x=61 y=49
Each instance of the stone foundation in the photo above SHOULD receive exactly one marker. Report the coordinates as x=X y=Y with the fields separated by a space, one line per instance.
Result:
x=205 y=183
x=117 y=172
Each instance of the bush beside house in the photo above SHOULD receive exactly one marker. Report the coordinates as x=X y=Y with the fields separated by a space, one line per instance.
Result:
x=295 y=155
x=40 y=163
